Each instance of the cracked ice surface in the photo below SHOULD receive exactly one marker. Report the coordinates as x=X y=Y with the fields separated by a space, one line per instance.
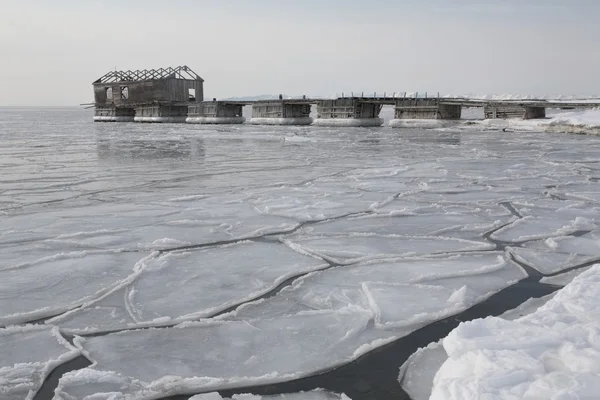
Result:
x=428 y=289
x=219 y=354
x=183 y=285
x=313 y=395
x=120 y=226
x=58 y=283
x=27 y=355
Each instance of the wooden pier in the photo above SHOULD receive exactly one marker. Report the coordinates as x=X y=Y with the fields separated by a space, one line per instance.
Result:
x=176 y=95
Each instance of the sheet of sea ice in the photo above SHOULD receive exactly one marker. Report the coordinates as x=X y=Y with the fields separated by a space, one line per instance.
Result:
x=352 y=248
x=314 y=202
x=410 y=225
x=550 y=353
x=406 y=206
x=213 y=220
x=55 y=284
x=470 y=195
x=557 y=254
x=193 y=284
x=532 y=228
x=155 y=227
x=212 y=355
x=313 y=395
x=107 y=314
x=436 y=302
x=428 y=288
x=27 y=355
x=417 y=372
x=563 y=279
x=74 y=222
x=547 y=206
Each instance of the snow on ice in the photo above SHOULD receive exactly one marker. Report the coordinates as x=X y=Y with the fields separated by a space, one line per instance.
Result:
x=552 y=353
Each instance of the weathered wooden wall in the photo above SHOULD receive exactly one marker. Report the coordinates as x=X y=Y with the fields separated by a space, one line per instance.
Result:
x=280 y=109
x=426 y=109
x=215 y=109
x=347 y=108
x=535 y=112
x=339 y=108
x=111 y=111
x=164 y=90
x=161 y=111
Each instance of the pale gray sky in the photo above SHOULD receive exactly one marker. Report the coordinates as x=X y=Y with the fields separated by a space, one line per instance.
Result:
x=51 y=51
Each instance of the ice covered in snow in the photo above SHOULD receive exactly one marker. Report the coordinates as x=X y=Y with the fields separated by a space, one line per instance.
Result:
x=557 y=121
x=419 y=370
x=552 y=353
x=27 y=355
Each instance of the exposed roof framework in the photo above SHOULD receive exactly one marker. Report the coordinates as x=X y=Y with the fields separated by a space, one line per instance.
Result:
x=181 y=72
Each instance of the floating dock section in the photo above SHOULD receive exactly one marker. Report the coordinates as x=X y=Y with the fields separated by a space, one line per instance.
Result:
x=215 y=112
x=281 y=112
x=513 y=111
x=407 y=109
x=349 y=112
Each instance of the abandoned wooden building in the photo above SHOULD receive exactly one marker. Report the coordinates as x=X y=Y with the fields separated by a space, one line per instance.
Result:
x=155 y=95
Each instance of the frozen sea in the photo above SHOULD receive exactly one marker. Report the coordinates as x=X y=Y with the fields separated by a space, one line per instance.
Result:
x=147 y=261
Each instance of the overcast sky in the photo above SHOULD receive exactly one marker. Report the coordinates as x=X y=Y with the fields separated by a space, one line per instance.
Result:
x=51 y=51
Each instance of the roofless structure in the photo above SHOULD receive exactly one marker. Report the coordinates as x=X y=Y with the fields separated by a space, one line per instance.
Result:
x=149 y=95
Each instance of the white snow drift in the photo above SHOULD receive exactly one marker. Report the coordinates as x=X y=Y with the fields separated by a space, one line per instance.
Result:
x=553 y=353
